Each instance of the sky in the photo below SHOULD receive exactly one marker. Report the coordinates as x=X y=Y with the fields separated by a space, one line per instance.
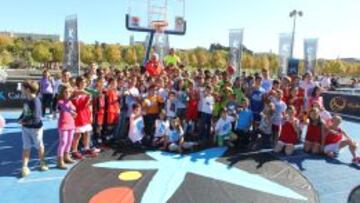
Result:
x=334 y=22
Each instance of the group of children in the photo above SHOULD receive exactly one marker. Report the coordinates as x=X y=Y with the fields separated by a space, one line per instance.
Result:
x=178 y=110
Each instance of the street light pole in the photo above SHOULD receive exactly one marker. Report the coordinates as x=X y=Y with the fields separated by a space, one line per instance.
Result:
x=294 y=14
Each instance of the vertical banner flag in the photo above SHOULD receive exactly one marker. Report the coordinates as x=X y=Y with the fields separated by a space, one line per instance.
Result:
x=71 y=59
x=235 y=44
x=310 y=52
x=284 y=52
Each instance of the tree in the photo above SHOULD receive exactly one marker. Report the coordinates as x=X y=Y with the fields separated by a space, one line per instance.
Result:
x=140 y=52
x=5 y=58
x=193 y=59
x=218 y=59
x=184 y=57
x=5 y=42
x=98 y=54
x=130 y=56
x=247 y=61
x=202 y=57
x=57 y=52
x=261 y=61
x=87 y=54
x=41 y=53
x=112 y=54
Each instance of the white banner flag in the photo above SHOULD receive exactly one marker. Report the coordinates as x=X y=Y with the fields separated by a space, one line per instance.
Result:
x=284 y=52
x=235 y=44
x=71 y=59
x=310 y=52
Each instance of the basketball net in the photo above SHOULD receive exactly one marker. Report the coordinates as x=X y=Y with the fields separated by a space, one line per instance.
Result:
x=160 y=38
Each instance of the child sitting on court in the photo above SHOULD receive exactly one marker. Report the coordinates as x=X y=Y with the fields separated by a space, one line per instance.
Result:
x=335 y=139
x=223 y=128
x=161 y=126
x=32 y=126
x=174 y=137
x=314 y=132
x=289 y=134
x=264 y=132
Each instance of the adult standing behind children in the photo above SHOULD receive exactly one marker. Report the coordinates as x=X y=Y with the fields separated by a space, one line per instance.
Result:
x=46 y=91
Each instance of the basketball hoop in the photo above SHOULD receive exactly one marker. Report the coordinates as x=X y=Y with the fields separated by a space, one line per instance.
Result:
x=159 y=25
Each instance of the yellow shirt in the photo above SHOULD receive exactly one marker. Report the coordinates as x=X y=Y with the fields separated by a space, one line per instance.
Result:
x=151 y=104
x=169 y=59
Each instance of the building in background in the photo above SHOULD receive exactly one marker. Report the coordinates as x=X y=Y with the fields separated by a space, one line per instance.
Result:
x=31 y=36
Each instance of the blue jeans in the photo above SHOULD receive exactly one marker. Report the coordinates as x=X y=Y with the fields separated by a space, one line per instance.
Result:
x=205 y=126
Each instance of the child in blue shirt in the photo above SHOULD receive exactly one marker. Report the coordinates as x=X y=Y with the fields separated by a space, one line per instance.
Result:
x=243 y=124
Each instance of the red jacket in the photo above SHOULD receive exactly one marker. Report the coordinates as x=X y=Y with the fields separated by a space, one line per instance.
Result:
x=83 y=110
x=154 y=68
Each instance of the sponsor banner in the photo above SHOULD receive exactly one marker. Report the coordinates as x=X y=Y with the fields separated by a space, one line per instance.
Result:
x=293 y=67
x=310 y=52
x=235 y=44
x=284 y=52
x=71 y=59
x=10 y=95
x=343 y=104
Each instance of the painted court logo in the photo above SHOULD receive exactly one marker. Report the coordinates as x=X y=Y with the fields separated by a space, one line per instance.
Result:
x=171 y=170
x=337 y=104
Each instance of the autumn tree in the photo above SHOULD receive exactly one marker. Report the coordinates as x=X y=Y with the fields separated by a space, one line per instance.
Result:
x=41 y=53
x=5 y=58
x=112 y=54
x=247 y=61
x=130 y=56
x=87 y=54
x=218 y=59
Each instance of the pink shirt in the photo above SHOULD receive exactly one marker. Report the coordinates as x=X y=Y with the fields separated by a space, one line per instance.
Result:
x=66 y=120
x=314 y=100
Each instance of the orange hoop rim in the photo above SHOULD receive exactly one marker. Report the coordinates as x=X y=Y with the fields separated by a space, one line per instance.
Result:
x=159 y=25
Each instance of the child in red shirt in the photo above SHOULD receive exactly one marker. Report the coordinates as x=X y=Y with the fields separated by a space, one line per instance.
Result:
x=83 y=128
x=113 y=105
x=290 y=132
x=98 y=104
x=335 y=139
x=314 y=132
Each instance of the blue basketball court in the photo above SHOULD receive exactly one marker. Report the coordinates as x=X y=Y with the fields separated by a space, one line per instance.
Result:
x=332 y=180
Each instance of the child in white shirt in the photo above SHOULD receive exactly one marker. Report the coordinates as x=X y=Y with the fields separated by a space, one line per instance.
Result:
x=223 y=128
x=161 y=127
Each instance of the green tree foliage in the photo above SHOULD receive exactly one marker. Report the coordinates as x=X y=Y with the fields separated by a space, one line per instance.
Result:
x=112 y=54
x=202 y=56
x=5 y=58
x=192 y=59
x=247 y=61
x=218 y=59
x=57 y=51
x=184 y=57
x=5 y=42
x=87 y=54
x=130 y=56
x=41 y=53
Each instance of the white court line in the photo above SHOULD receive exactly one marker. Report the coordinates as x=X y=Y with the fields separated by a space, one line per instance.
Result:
x=33 y=180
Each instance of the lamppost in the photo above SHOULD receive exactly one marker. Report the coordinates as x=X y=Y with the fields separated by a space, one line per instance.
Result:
x=294 y=14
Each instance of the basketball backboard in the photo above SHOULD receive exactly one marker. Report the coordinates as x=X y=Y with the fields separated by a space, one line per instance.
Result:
x=142 y=13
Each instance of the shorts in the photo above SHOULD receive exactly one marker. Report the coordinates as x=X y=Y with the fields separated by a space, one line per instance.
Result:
x=332 y=148
x=83 y=129
x=32 y=137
